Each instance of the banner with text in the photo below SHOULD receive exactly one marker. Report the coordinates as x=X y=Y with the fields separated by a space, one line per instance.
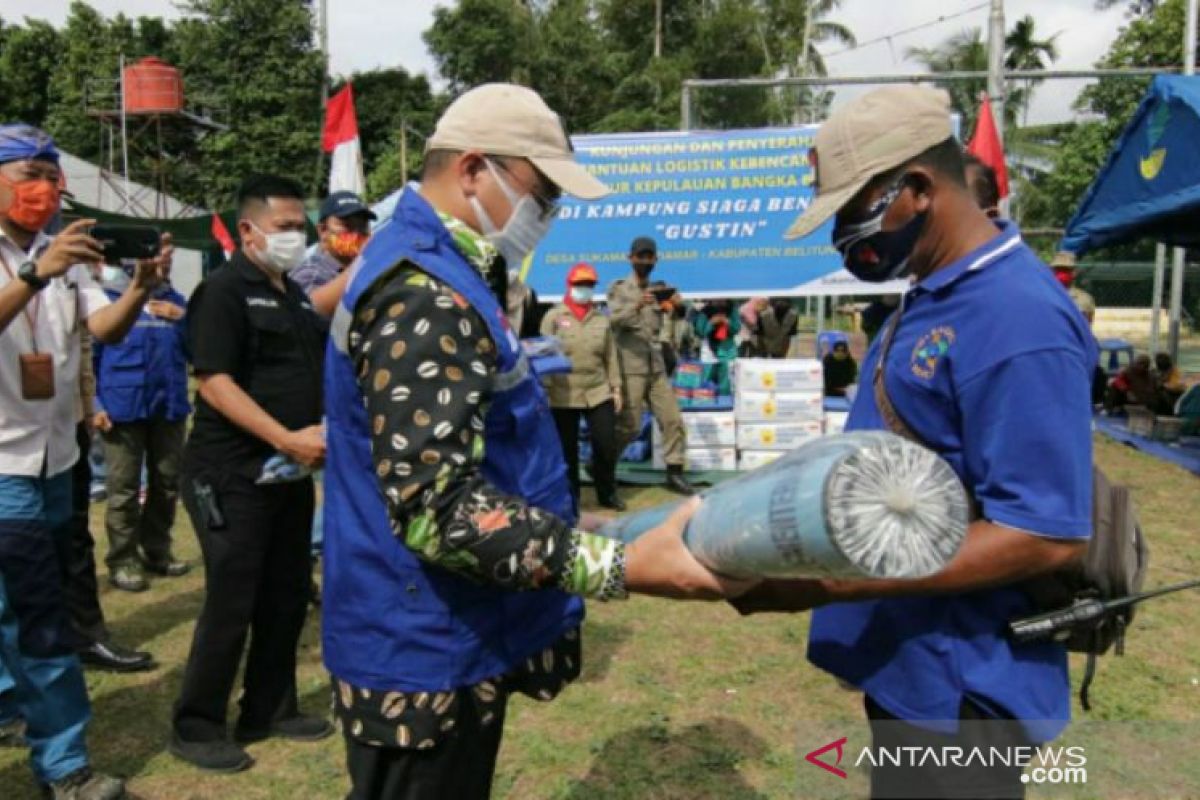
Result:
x=716 y=202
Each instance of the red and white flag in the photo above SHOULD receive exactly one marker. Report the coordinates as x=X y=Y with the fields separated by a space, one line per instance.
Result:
x=985 y=145
x=221 y=234
x=340 y=137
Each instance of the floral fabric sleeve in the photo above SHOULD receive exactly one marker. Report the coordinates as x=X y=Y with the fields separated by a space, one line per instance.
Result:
x=425 y=363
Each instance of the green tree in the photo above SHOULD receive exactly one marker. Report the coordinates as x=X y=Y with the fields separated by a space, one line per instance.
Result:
x=257 y=61
x=1025 y=51
x=482 y=41
x=965 y=51
x=27 y=57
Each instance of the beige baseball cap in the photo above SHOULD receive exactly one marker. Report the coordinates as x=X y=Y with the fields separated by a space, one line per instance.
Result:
x=503 y=119
x=867 y=137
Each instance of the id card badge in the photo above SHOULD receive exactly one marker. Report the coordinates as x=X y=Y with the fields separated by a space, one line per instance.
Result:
x=37 y=376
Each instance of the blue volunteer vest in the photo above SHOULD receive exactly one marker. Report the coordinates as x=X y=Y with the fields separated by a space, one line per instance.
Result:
x=389 y=620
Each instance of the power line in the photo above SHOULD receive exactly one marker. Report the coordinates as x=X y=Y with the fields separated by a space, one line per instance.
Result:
x=906 y=31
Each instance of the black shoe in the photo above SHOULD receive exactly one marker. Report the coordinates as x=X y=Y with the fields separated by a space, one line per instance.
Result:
x=169 y=568
x=220 y=755
x=677 y=483
x=614 y=502
x=300 y=728
x=114 y=658
x=128 y=579
x=83 y=784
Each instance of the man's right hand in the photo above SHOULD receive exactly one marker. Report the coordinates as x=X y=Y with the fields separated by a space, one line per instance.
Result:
x=102 y=422
x=658 y=563
x=648 y=299
x=306 y=446
x=72 y=246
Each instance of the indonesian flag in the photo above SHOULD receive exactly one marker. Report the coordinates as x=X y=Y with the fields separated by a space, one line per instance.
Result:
x=985 y=145
x=221 y=234
x=340 y=137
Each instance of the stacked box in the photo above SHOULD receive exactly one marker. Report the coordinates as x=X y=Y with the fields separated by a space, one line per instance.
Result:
x=777 y=435
x=711 y=439
x=779 y=406
x=753 y=459
x=703 y=459
x=779 y=375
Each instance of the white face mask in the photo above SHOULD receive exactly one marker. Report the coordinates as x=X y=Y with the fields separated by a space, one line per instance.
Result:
x=526 y=227
x=582 y=294
x=284 y=251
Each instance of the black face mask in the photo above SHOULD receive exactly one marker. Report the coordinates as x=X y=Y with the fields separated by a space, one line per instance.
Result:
x=643 y=270
x=872 y=254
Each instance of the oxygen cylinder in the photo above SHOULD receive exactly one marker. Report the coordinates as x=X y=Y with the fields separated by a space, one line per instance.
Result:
x=862 y=504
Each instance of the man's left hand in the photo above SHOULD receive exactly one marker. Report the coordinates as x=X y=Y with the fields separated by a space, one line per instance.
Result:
x=782 y=596
x=152 y=272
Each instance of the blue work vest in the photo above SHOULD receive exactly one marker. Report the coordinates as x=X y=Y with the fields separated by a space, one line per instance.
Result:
x=389 y=620
x=145 y=376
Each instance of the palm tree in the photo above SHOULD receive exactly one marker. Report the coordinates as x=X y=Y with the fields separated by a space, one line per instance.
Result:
x=793 y=29
x=965 y=51
x=1025 y=51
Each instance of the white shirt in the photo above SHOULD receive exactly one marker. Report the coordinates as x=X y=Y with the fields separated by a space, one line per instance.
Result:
x=41 y=433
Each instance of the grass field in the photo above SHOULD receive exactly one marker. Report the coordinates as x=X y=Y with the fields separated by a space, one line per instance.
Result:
x=679 y=701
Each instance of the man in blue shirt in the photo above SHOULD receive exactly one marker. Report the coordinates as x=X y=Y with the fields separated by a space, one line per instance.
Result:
x=989 y=365
x=141 y=411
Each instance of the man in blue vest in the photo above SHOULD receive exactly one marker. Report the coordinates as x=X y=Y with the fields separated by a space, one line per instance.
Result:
x=141 y=411
x=454 y=565
x=988 y=363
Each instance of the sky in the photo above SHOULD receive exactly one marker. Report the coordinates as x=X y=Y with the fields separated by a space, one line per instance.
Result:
x=380 y=33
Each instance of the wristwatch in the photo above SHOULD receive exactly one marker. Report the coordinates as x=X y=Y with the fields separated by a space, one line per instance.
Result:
x=28 y=273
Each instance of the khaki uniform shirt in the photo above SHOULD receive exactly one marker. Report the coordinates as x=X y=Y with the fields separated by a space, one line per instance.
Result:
x=636 y=328
x=596 y=372
x=776 y=334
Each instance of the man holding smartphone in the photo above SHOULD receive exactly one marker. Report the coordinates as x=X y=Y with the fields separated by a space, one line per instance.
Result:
x=637 y=321
x=46 y=293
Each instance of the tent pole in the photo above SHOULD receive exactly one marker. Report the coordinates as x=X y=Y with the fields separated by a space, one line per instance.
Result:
x=1176 y=303
x=1160 y=267
x=1189 y=68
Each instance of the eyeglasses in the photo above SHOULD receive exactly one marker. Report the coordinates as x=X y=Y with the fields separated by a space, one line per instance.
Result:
x=548 y=206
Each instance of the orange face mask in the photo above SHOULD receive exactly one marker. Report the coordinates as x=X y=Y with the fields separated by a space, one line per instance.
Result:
x=347 y=245
x=34 y=202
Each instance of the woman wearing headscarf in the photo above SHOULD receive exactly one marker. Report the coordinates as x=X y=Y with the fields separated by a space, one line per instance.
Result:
x=718 y=325
x=592 y=389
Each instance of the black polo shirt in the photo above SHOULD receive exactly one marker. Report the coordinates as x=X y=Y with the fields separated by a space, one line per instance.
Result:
x=270 y=342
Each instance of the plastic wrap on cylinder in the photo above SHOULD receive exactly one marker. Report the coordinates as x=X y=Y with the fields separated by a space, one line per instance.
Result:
x=862 y=504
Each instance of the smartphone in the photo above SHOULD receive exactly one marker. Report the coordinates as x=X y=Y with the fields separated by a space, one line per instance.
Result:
x=664 y=293
x=121 y=242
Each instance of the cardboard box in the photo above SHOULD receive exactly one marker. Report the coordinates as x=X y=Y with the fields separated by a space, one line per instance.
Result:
x=753 y=459
x=705 y=429
x=779 y=406
x=777 y=435
x=835 y=422
x=700 y=459
x=779 y=375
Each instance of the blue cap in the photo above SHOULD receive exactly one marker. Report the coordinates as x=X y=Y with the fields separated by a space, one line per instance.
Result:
x=20 y=142
x=342 y=205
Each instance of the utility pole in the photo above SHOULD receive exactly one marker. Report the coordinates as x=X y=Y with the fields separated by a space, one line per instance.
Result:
x=403 y=151
x=1189 y=68
x=805 y=43
x=322 y=21
x=995 y=81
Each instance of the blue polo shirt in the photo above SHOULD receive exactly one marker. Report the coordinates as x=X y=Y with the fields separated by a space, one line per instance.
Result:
x=991 y=366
